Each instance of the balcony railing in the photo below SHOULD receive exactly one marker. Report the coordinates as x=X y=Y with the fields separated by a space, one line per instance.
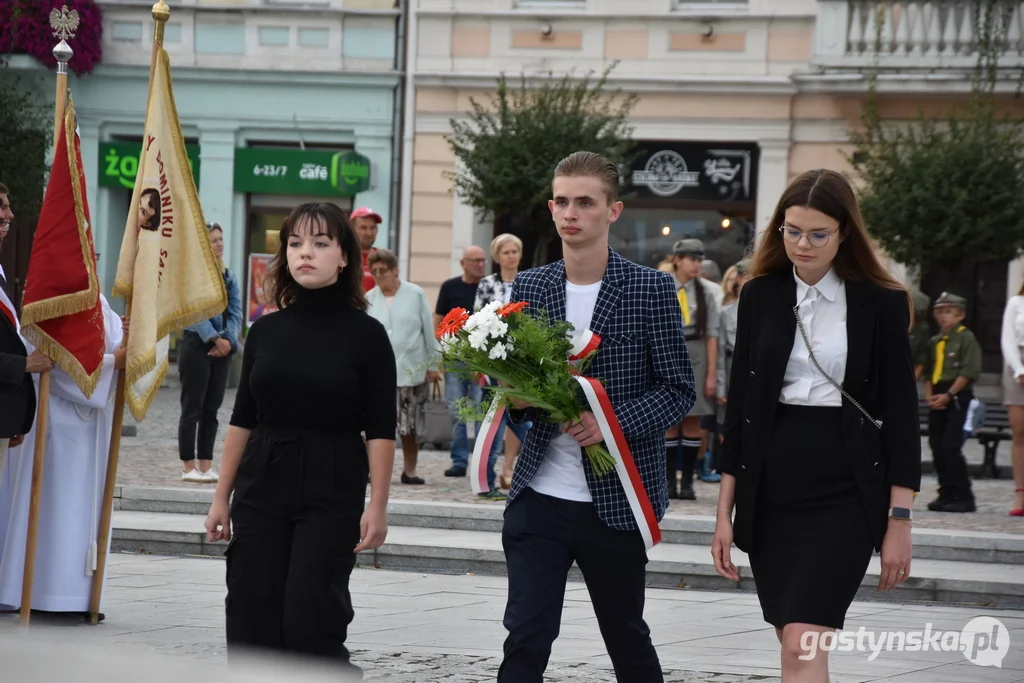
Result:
x=914 y=34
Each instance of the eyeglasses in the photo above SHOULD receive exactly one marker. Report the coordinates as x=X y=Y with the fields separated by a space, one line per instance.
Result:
x=476 y=260
x=818 y=238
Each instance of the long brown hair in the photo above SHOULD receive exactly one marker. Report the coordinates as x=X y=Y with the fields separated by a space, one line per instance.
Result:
x=283 y=288
x=830 y=193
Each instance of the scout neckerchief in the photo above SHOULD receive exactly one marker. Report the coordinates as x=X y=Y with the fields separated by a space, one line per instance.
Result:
x=940 y=355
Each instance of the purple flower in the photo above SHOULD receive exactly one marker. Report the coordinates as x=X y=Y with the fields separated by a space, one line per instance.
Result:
x=25 y=29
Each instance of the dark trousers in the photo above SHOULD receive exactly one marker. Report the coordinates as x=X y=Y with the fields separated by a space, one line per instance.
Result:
x=542 y=536
x=295 y=523
x=203 y=381
x=946 y=438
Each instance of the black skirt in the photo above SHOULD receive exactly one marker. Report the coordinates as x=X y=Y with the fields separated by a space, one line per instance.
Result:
x=812 y=543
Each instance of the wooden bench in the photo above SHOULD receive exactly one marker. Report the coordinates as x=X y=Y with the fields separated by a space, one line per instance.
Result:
x=995 y=429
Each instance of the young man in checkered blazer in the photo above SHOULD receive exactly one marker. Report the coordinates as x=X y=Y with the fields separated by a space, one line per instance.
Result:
x=558 y=509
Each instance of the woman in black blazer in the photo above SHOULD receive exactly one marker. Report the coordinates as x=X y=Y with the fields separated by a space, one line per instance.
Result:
x=816 y=483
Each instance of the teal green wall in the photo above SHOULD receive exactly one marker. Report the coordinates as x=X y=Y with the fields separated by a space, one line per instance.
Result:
x=223 y=110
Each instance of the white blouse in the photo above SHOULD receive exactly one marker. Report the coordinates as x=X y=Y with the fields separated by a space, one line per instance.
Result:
x=823 y=311
x=1012 y=338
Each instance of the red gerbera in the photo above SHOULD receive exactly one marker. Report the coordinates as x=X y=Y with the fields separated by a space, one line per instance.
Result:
x=453 y=322
x=509 y=309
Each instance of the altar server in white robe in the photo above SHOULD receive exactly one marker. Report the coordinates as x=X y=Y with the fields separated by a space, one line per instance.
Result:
x=74 y=472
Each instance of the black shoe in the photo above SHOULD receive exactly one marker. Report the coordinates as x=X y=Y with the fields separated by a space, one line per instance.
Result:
x=455 y=472
x=101 y=616
x=938 y=504
x=962 y=505
x=406 y=479
x=686 y=493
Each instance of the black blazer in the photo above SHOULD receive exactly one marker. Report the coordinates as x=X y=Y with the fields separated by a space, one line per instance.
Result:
x=879 y=375
x=17 y=391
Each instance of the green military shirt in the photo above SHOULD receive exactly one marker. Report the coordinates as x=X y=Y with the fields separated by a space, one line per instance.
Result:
x=961 y=357
x=920 y=342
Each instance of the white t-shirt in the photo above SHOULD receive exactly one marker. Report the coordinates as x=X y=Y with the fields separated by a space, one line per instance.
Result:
x=507 y=296
x=561 y=472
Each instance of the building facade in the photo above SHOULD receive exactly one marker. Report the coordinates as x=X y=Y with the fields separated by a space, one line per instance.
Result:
x=280 y=103
x=736 y=99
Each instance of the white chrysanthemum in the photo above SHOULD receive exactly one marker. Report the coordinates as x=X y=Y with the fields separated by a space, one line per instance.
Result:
x=478 y=339
x=498 y=351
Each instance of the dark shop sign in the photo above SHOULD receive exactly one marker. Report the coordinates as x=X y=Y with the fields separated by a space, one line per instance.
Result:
x=702 y=171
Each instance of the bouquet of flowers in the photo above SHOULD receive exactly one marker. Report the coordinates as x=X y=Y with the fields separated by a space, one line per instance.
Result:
x=528 y=355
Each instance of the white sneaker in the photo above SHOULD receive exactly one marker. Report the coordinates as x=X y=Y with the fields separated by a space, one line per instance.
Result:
x=210 y=476
x=193 y=475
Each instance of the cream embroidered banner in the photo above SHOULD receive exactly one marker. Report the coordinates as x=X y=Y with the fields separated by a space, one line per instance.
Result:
x=167 y=269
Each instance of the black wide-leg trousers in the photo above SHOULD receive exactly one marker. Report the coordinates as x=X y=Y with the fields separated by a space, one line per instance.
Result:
x=295 y=518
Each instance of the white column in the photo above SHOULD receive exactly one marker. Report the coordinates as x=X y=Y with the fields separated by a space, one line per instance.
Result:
x=1014 y=277
x=772 y=179
x=464 y=231
x=216 y=191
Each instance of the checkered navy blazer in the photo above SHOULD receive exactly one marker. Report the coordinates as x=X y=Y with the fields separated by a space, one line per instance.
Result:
x=642 y=362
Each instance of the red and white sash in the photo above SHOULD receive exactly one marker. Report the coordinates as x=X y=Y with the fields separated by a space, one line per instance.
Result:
x=614 y=439
x=7 y=309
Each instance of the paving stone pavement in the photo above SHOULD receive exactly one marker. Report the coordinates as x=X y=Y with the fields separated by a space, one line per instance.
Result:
x=166 y=612
x=151 y=459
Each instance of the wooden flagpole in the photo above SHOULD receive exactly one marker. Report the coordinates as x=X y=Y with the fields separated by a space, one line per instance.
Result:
x=64 y=24
x=161 y=13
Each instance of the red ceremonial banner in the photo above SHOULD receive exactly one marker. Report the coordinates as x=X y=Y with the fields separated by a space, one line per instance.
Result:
x=62 y=315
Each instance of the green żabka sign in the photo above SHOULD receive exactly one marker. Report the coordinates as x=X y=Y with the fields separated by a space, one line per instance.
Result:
x=301 y=172
x=119 y=163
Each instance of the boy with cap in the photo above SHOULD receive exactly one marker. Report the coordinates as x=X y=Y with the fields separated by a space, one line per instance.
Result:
x=364 y=222
x=954 y=364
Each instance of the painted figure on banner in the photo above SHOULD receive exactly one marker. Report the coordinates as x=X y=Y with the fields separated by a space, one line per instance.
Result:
x=74 y=468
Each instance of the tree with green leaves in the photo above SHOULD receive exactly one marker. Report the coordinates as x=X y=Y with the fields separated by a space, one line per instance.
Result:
x=942 y=195
x=26 y=124
x=508 y=149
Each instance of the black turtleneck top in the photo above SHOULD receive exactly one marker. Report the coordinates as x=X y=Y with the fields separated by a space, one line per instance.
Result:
x=318 y=365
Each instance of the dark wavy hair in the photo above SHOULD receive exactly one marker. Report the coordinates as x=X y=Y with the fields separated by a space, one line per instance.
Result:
x=153 y=224
x=332 y=220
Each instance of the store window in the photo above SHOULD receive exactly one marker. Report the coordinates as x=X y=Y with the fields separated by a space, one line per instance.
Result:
x=684 y=189
x=646 y=235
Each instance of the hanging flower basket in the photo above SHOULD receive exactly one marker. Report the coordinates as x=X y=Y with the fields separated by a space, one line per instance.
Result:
x=25 y=29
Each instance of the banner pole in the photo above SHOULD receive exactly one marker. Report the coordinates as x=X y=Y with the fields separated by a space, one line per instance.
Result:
x=161 y=13
x=64 y=25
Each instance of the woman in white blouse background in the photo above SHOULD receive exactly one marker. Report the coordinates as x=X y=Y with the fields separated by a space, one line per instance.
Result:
x=1013 y=389
x=821 y=453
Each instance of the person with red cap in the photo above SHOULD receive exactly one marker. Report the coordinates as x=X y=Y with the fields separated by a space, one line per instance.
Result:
x=364 y=221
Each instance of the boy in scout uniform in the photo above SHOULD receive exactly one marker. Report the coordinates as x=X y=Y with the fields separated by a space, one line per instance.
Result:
x=954 y=364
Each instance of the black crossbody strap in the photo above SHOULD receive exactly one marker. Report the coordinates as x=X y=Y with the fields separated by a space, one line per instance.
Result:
x=807 y=342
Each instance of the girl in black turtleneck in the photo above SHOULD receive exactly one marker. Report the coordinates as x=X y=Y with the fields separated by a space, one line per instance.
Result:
x=316 y=376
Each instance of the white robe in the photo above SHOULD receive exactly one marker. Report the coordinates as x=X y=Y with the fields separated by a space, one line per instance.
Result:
x=74 y=472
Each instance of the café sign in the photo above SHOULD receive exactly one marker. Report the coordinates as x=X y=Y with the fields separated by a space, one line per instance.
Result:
x=310 y=172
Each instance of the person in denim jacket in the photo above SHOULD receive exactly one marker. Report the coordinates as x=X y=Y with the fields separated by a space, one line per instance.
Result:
x=204 y=357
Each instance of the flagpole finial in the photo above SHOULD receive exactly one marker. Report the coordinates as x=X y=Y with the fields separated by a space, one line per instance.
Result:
x=161 y=12
x=64 y=23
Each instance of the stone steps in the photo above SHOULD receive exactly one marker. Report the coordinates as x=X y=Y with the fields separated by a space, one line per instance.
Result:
x=929 y=544
x=672 y=564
